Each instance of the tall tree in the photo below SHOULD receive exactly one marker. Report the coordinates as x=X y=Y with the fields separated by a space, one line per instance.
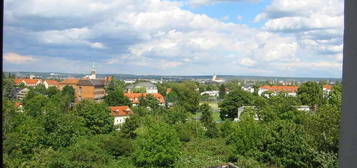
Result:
x=234 y=100
x=96 y=116
x=310 y=93
x=222 y=91
x=158 y=146
x=117 y=98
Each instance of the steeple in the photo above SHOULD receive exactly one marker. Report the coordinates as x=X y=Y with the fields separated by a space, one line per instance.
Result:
x=93 y=73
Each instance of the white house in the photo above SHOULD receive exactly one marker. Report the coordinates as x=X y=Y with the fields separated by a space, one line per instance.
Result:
x=218 y=80
x=248 y=89
x=326 y=90
x=50 y=83
x=120 y=114
x=303 y=108
x=289 y=90
x=213 y=93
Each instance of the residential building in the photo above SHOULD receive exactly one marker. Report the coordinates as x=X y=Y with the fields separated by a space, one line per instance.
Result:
x=303 y=108
x=241 y=110
x=289 y=90
x=214 y=93
x=92 y=89
x=248 y=89
x=120 y=114
x=69 y=81
x=50 y=83
x=135 y=97
x=148 y=86
x=327 y=89
x=19 y=107
x=28 y=82
x=19 y=93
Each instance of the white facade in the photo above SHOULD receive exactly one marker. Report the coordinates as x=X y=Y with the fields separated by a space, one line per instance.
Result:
x=248 y=89
x=214 y=93
x=118 y=120
x=303 y=108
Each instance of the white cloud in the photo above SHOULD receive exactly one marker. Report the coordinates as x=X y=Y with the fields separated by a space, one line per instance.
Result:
x=15 y=58
x=196 y=3
x=164 y=38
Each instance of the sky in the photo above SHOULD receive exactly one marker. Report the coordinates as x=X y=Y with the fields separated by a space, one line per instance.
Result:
x=290 y=38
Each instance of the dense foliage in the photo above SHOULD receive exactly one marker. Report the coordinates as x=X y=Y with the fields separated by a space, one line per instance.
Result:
x=54 y=132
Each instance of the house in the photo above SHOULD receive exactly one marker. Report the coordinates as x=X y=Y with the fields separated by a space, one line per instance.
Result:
x=120 y=114
x=50 y=83
x=28 y=82
x=135 y=97
x=19 y=107
x=19 y=93
x=303 y=108
x=248 y=89
x=327 y=89
x=213 y=93
x=148 y=86
x=290 y=90
x=69 y=81
x=92 y=89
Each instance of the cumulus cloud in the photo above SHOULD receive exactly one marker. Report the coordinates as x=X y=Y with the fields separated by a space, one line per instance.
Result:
x=15 y=58
x=196 y=3
x=160 y=37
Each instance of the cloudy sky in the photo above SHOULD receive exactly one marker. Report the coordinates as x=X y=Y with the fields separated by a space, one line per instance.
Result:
x=296 y=38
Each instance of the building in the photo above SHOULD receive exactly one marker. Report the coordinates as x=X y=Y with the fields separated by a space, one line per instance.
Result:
x=28 y=82
x=135 y=97
x=120 y=114
x=290 y=90
x=90 y=89
x=216 y=79
x=50 y=83
x=19 y=107
x=327 y=89
x=303 y=108
x=248 y=89
x=214 y=93
x=69 y=81
x=19 y=93
x=148 y=86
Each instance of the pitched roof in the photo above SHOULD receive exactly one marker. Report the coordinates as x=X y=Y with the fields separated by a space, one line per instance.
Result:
x=91 y=82
x=27 y=81
x=134 y=97
x=18 y=104
x=289 y=89
x=51 y=82
x=120 y=111
x=328 y=87
x=69 y=81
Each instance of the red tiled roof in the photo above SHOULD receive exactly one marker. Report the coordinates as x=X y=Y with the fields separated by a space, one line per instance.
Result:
x=27 y=81
x=51 y=82
x=69 y=81
x=289 y=89
x=134 y=97
x=17 y=104
x=120 y=111
x=328 y=87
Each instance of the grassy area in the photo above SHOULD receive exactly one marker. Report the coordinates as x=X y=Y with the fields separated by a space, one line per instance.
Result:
x=215 y=109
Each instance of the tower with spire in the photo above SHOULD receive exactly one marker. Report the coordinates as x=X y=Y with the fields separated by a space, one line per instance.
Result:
x=93 y=73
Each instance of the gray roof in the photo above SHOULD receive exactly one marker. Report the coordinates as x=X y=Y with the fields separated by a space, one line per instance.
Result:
x=91 y=82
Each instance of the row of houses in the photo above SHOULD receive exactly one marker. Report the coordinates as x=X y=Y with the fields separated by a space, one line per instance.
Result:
x=289 y=90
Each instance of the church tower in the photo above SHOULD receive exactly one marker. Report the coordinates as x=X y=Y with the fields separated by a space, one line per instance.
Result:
x=93 y=73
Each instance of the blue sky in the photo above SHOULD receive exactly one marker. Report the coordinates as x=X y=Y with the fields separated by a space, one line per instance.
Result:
x=296 y=38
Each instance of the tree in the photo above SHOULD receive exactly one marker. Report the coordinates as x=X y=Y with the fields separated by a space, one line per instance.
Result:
x=130 y=125
x=222 y=91
x=310 y=93
x=35 y=105
x=157 y=146
x=117 y=98
x=114 y=85
x=335 y=97
x=8 y=84
x=96 y=116
x=234 y=100
x=139 y=90
x=176 y=114
x=185 y=95
x=206 y=117
x=149 y=101
x=52 y=91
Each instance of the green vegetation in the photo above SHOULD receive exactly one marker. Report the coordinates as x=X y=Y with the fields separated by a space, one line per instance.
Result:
x=52 y=132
